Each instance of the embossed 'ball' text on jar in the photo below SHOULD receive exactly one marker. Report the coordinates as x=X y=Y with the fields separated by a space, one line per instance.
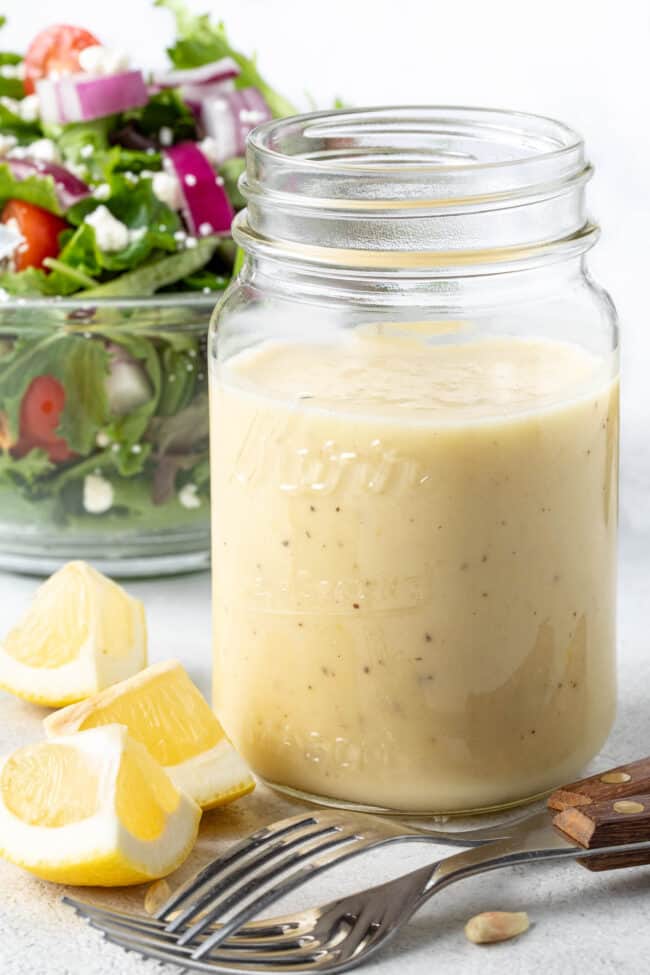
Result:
x=414 y=389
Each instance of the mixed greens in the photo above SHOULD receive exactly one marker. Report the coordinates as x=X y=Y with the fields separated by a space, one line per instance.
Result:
x=115 y=183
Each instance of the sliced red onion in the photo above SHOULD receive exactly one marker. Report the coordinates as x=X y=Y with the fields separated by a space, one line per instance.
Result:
x=230 y=115
x=68 y=187
x=206 y=206
x=83 y=97
x=206 y=74
x=200 y=93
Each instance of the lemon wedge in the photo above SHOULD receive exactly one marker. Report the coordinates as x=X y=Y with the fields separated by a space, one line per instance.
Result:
x=167 y=713
x=93 y=808
x=82 y=633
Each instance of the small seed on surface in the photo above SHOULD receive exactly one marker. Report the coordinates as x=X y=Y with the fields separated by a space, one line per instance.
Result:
x=157 y=894
x=492 y=926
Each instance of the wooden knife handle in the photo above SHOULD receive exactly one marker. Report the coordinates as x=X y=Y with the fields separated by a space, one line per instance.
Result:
x=615 y=783
x=612 y=822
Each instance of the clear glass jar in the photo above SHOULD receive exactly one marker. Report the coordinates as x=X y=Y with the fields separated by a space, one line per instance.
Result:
x=104 y=434
x=414 y=428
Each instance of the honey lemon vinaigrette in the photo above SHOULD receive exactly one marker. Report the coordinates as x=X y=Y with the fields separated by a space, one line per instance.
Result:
x=411 y=608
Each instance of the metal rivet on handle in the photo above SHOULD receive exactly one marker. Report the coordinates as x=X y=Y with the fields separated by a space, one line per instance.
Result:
x=628 y=806
x=615 y=778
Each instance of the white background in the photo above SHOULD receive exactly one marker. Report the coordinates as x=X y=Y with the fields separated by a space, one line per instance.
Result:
x=583 y=61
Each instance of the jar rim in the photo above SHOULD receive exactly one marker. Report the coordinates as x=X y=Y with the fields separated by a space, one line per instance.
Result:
x=414 y=187
x=565 y=139
x=411 y=157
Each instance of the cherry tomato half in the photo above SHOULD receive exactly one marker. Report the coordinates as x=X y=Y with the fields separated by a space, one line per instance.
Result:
x=55 y=49
x=39 y=227
x=40 y=412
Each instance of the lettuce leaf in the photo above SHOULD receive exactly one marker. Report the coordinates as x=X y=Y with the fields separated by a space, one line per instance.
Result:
x=230 y=171
x=11 y=87
x=31 y=282
x=79 y=364
x=27 y=470
x=157 y=273
x=12 y=124
x=164 y=110
x=201 y=41
x=83 y=143
x=121 y=160
x=39 y=190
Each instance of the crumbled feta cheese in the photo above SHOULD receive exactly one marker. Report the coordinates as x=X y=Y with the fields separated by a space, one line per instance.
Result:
x=165 y=136
x=205 y=229
x=127 y=385
x=29 y=108
x=168 y=190
x=86 y=151
x=210 y=149
x=131 y=178
x=180 y=236
x=111 y=233
x=102 y=439
x=11 y=104
x=100 y=60
x=190 y=242
x=252 y=116
x=4 y=295
x=188 y=496
x=44 y=150
x=190 y=179
x=102 y=192
x=7 y=143
x=97 y=494
x=12 y=71
x=12 y=225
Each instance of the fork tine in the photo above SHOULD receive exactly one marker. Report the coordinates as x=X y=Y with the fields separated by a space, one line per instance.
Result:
x=249 y=869
x=273 y=935
x=309 y=870
x=221 y=905
x=127 y=927
x=365 y=925
x=290 y=952
x=165 y=955
x=262 y=836
x=173 y=956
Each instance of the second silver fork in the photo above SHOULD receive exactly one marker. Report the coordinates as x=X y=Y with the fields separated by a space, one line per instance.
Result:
x=291 y=851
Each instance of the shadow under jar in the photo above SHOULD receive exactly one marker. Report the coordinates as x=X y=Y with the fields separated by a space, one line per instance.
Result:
x=104 y=434
x=414 y=401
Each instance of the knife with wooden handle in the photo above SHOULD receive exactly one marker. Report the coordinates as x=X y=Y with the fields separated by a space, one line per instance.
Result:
x=607 y=809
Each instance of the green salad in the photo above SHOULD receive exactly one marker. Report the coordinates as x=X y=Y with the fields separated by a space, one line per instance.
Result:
x=116 y=184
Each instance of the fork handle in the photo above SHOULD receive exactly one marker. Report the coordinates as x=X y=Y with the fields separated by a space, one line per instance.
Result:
x=616 y=783
x=609 y=823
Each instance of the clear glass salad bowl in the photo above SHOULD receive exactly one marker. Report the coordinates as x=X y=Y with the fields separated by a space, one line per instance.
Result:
x=104 y=434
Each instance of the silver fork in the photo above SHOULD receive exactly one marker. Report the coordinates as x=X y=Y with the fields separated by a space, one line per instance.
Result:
x=299 y=847
x=351 y=929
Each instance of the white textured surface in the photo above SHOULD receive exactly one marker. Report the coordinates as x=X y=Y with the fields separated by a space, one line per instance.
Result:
x=575 y=914
x=579 y=61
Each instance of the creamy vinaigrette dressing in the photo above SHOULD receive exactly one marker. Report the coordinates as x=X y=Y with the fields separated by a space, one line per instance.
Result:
x=414 y=565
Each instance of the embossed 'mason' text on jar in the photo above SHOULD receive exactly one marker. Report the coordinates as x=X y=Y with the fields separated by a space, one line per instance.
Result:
x=414 y=443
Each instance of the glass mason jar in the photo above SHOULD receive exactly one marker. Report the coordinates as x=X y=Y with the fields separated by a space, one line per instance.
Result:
x=104 y=434
x=414 y=428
